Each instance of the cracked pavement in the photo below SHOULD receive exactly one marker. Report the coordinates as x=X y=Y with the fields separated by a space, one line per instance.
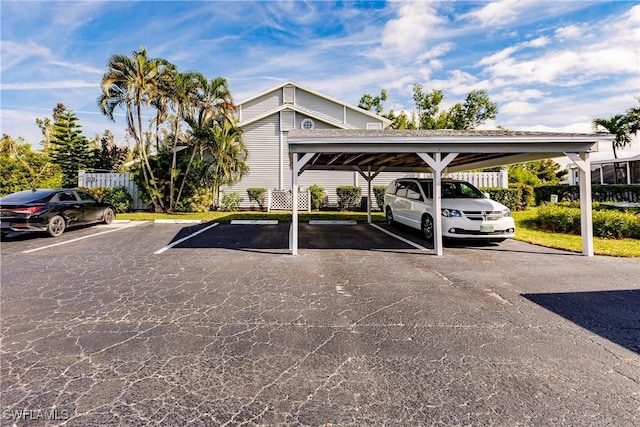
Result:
x=226 y=329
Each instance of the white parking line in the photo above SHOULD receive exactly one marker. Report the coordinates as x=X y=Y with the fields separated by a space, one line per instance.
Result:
x=254 y=222
x=82 y=238
x=177 y=242
x=407 y=241
x=332 y=222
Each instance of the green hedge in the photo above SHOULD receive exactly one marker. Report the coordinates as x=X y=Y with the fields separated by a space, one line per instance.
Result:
x=348 y=196
x=317 y=196
x=599 y=193
x=258 y=195
x=606 y=223
x=510 y=197
x=378 y=192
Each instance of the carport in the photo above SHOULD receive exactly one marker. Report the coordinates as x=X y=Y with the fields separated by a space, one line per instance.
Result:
x=370 y=152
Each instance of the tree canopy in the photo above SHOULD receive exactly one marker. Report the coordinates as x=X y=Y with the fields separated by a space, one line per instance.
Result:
x=476 y=109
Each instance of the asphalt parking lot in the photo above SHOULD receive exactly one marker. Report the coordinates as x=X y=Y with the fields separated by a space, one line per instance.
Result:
x=177 y=324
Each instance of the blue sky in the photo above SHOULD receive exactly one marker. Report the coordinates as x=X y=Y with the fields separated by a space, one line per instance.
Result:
x=548 y=65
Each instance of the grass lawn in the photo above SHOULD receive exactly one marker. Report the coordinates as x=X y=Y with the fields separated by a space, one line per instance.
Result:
x=526 y=229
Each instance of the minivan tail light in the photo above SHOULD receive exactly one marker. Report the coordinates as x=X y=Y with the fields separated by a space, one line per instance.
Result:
x=31 y=210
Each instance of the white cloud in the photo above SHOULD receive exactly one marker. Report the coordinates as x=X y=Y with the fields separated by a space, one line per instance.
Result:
x=416 y=23
x=569 y=32
x=518 y=108
x=539 y=42
x=435 y=52
x=64 y=84
x=497 y=13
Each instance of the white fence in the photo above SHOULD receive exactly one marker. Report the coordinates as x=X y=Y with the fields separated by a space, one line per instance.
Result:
x=276 y=199
x=479 y=179
x=109 y=180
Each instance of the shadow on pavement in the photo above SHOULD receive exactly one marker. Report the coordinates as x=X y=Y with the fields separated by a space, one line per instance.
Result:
x=275 y=238
x=614 y=315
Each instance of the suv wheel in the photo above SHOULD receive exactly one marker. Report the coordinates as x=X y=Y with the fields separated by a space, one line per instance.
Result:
x=389 y=216
x=427 y=228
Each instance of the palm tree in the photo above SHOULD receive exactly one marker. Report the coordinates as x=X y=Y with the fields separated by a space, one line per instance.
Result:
x=618 y=126
x=133 y=83
x=186 y=90
x=229 y=157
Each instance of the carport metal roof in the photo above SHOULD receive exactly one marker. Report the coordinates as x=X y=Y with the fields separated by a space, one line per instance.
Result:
x=374 y=151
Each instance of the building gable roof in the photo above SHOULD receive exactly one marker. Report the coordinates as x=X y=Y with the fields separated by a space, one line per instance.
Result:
x=315 y=115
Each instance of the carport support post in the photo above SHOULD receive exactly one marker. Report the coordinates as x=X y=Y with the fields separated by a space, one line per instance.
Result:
x=368 y=177
x=438 y=164
x=586 y=218
x=296 y=165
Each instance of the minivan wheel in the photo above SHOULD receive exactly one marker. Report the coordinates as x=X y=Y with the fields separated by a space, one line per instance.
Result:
x=389 y=216
x=427 y=228
x=56 y=226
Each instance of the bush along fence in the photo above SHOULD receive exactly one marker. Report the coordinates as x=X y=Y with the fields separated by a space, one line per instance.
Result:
x=599 y=193
x=109 y=180
x=119 y=197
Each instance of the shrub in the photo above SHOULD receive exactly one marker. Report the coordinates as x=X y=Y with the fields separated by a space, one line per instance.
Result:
x=606 y=223
x=97 y=192
x=200 y=201
x=527 y=194
x=348 y=196
x=378 y=193
x=231 y=202
x=317 y=196
x=119 y=197
x=599 y=193
x=258 y=195
x=510 y=197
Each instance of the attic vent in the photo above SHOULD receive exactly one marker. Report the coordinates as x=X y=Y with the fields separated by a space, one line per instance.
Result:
x=289 y=95
x=374 y=126
x=307 y=124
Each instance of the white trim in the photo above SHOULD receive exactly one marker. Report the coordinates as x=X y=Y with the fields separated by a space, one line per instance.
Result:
x=386 y=121
x=296 y=108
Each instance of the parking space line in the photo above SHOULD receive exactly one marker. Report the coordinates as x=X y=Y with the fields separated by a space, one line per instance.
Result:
x=81 y=238
x=177 y=242
x=254 y=222
x=332 y=222
x=407 y=241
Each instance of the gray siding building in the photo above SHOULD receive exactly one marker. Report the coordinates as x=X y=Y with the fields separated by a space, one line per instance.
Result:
x=266 y=119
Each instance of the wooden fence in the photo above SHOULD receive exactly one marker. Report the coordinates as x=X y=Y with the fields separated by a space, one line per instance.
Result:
x=109 y=180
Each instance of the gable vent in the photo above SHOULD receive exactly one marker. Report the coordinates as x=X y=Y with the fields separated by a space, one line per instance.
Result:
x=289 y=94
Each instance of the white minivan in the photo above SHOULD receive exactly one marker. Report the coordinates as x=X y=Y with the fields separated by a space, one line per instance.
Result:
x=467 y=213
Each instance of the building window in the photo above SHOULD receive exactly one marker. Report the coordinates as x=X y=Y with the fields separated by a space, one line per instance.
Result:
x=374 y=126
x=307 y=124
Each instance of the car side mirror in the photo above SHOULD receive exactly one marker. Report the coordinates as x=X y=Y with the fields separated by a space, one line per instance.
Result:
x=486 y=195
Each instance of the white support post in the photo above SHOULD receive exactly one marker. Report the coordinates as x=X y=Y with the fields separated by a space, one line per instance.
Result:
x=586 y=220
x=368 y=177
x=368 y=194
x=296 y=165
x=438 y=164
x=293 y=243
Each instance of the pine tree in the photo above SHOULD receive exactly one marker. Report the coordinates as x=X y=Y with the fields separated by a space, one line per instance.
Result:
x=70 y=150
